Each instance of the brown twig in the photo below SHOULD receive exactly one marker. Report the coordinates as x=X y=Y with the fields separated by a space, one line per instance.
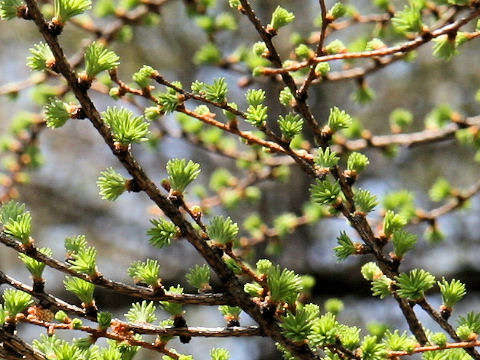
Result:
x=411 y=139
x=13 y=348
x=49 y=301
x=226 y=276
x=458 y=345
x=137 y=292
x=402 y=48
x=301 y=105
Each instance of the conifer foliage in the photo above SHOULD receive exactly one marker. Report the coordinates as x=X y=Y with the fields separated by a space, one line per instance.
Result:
x=267 y=134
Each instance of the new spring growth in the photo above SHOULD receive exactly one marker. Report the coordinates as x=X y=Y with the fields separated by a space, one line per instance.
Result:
x=74 y=244
x=219 y=354
x=35 y=267
x=322 y=69
x=57 y=113
x=371 y=349
x=169 y=101
x=334 y=305
x=335 y=47
x=10 y=9
x=42 y=58
x=64 y=10
x=126 y=127
x=82 y=289
x=143 y=76
x=58 y=349
x=86 y=343
x=16 y=221
x=231 y=116
x=280 y=18
x=370 y=271
x=298 y=326
x=399 y=119
x=469 y=326
x=337 y=11
x=97 y=59
x=255 y=97
x=62 y=317
x=260 y=49
x=177 y=356
x=356 y=162
x=231 y=314
x=152 y=113
x=375 y=44
x=439 y=339
x=392 y=222
x=290 y=125
x=85 y=261
x=257 y=115
x=162 y=233
x=164 y=339
x=304 y=52
x=324 y=192
x=221 y=178
x=440 y=190
x=212 y=25
x=142 y=313
x=412 y=285
x=111 y=184
x=104 y=319
x=324 y=330
x=286 y=97
x=208 y=54
x=181 y=173
x=283 y=285
x=396 y=341
x=452 y=292
x=403 y=242
x=364 y=201
x=364 y=94
x=381 y=284
x=285 y=224
x=216 y=92
x=433 y=234
x=408 y=20
x=14 y=302
x=234 y=4
x=174 y=309
x=222 y=231
x=146 y=273
x=439 y=117
x=199 y=278
x=325 y=159
x=345 y=247
x=263 y=266
x=337 y=120
x=402 y=202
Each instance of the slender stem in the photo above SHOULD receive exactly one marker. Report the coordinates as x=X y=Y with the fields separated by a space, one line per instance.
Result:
x=402 y=48
x=267 y=323
x=15 y=348
x=435 y=315
x=301 y=106
x=47 y=300
x=311 y=74
x=137 y=292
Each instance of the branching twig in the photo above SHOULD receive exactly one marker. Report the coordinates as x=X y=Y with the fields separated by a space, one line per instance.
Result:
x=267 y=324
x=12 y=347
x=138 y=292
x=403 y=48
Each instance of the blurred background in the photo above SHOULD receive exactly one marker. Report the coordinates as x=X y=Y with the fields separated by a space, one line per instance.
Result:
x=64 y=201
